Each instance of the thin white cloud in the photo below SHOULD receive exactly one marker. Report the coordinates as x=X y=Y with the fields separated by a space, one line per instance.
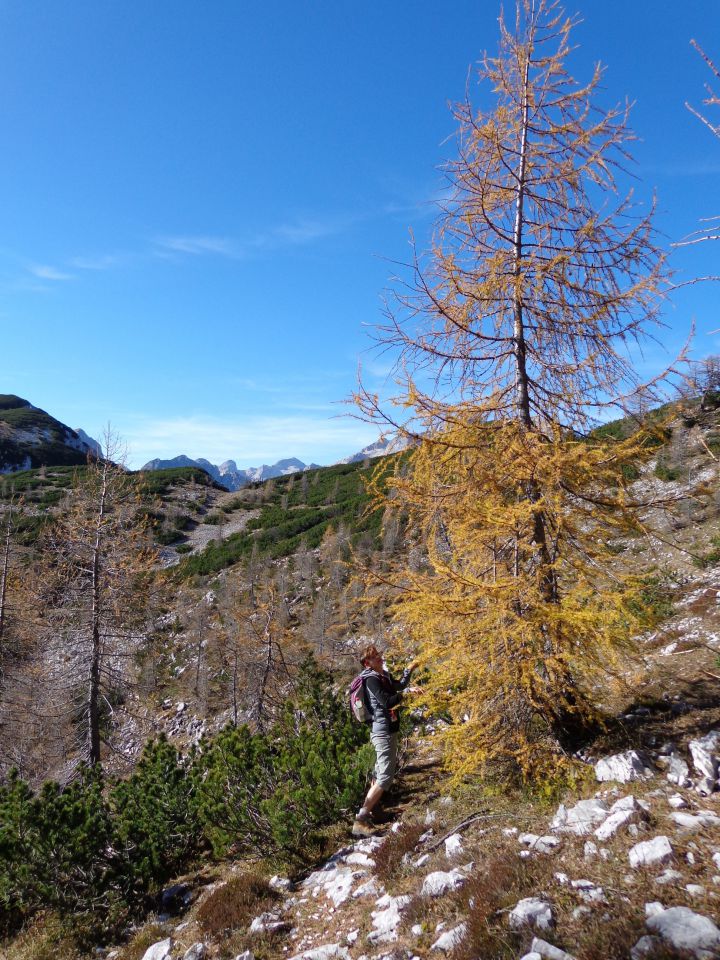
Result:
x=198 y=245
x=250 y=440
x=101 y=262
x=44 y=272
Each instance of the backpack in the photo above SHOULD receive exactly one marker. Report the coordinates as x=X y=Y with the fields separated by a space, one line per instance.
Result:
x=358 y=699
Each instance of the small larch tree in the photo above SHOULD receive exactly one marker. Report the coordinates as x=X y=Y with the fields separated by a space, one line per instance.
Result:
x=96 y=588
x=513 y=335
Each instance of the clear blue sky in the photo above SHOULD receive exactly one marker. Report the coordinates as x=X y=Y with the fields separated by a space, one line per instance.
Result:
x=199 y=200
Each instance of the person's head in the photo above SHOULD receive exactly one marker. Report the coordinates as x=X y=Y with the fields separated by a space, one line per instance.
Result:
x=371 y=657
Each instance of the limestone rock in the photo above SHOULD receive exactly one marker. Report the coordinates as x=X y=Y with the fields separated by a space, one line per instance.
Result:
x=645 y=947
x=196 y=952
x=580 y=819
x=705 y=753
x=545 y=844
x=329 y=951
x=245 y=955
x=690 y=821
x=450 y=939
x=269 y=923
x=668 y=876
x=624 y=767
x=548 y=951
x=386 y=920
x=531 y=912
x=677 y=770
x=624 y=812
x=677 y=802
x=440 y=882
x=683 y=929
x=453 y=847
x=280 y=883
x=161 y=950
x=648 y=853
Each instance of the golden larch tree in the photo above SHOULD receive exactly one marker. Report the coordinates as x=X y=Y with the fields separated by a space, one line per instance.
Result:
x=512 y=336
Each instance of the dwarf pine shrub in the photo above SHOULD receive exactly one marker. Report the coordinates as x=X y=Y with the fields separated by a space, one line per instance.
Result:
x=99 y=852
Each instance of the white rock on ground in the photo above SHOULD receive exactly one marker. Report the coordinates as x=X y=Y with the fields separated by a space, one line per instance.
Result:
x=329 y=951
x=589 y=891
x=531 y=912
x=245 y=955
x=677 y=802
x=453 y=846
x=440 y=882
x=549 y=951
x=590 y=850
x=624 y=767
x=683 y=929
x=677 y=770
x=531 y=956
x=269 y=923
x=450 y=939
x=705 y=753
x=162 y=950
x=716 y=859
x=196 y=952
x=280 y=883
x=545 y=844
x=623 y=812
x=690 y=821
x=645 y=947
x=668 y=876
x=385 y=921
x=371 y=888
x=649 y=853
x=580 y=819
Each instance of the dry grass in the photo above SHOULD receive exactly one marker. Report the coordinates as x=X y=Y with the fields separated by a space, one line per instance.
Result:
x=149 y=934
x=234 y=904
x=389 y=855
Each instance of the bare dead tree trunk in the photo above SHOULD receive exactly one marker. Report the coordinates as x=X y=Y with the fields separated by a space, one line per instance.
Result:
x=5 y=570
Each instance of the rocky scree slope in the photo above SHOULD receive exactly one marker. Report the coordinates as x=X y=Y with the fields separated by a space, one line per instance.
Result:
x=627 y=868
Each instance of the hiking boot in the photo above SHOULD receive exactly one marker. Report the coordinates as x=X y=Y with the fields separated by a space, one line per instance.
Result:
x=363 y=827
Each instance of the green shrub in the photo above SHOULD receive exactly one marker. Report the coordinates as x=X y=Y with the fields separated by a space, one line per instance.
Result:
x=268 y=792
x=155 y=823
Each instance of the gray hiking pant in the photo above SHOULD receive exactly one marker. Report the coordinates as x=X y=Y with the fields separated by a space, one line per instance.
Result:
x=386 y=747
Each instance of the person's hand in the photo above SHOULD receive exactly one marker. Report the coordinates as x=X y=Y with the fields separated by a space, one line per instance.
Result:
x=414 y=690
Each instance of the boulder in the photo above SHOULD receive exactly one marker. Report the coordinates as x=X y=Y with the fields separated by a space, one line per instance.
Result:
x=683 y=929
x=624 y=767
x=677 y=802
x=531 y=912
x=580 y=819
x=162 y=950
x=450 y=939
x=648 y=853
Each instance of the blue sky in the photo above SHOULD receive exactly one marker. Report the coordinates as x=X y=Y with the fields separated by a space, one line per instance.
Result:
x=201 y=202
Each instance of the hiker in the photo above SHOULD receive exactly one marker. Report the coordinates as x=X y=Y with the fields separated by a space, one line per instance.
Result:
x=383 y=695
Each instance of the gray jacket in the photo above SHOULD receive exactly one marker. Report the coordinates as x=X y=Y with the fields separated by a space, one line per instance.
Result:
x=383 y=695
